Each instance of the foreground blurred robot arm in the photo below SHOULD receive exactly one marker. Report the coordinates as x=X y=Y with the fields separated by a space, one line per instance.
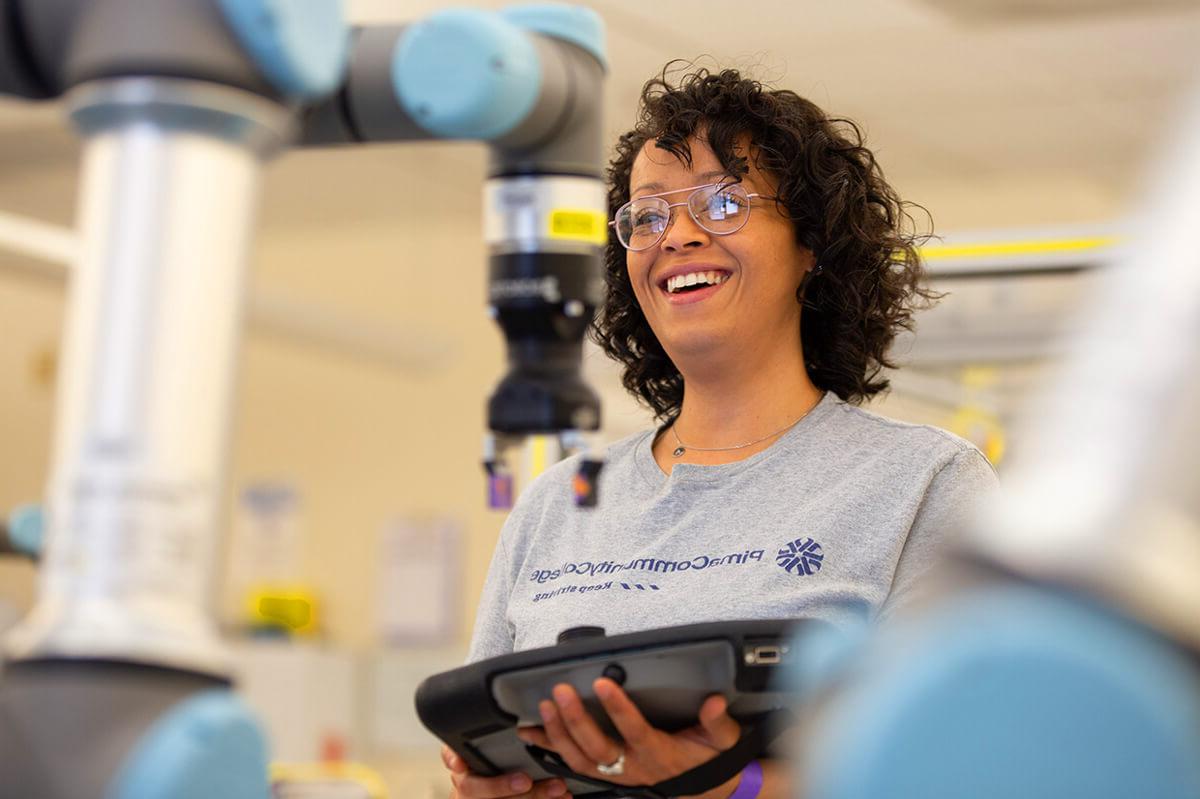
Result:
x=1063 y=659
x=528 y=81
x=116 y=684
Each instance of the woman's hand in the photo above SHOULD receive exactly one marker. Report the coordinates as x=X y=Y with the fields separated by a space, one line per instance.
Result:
x=507 y=786
x=651 y=755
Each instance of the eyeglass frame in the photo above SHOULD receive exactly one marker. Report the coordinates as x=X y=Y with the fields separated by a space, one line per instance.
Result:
x=612 y=223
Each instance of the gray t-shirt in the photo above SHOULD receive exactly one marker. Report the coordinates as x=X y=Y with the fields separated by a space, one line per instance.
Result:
x=837 y=520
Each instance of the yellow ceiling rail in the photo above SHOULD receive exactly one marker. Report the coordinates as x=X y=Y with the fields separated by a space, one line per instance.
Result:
x=933 y=252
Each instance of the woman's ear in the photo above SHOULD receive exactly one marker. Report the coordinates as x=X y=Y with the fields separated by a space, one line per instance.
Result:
x=812 y=272
x=809 y=261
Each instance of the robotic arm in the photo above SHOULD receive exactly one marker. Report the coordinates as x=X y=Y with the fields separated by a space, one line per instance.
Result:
x=528 y=81
x=116 y=684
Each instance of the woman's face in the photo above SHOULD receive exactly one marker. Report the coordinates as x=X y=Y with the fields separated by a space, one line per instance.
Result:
x=759 y=267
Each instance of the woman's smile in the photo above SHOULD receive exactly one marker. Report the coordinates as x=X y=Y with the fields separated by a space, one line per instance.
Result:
x=688 y=284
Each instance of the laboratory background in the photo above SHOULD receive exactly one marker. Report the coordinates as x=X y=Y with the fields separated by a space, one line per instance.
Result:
x=355 y=527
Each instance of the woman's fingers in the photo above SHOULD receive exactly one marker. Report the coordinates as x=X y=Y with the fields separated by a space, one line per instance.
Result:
x=720 y=728
x=534 y=735
x=571 y=731
x=550 y=789
x=595 y=745
x=561 y=741
x=452 y=761
x=624 y=714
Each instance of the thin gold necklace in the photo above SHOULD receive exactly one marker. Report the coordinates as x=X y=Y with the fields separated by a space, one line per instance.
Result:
x=682 y=448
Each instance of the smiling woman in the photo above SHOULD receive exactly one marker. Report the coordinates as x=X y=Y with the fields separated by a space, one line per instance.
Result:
x=758 y=269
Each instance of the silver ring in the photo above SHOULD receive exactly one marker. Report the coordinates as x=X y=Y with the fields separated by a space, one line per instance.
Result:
x=613 y=769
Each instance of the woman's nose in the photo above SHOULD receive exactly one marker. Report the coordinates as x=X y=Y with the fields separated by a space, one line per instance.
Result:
x=682 y=231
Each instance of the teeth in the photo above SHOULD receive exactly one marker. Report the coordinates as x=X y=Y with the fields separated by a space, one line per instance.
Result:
x=678 y=282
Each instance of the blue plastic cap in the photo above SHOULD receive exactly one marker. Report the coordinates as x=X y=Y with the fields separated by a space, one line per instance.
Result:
x=206 y=746
x=1015 y=692
x=301 y=46
x=466 y=74
x=822 y=653
x=575 y=24
x=26 y=529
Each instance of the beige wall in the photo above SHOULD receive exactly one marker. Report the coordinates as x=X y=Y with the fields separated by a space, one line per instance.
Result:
x=30 y=317
x=365 y=442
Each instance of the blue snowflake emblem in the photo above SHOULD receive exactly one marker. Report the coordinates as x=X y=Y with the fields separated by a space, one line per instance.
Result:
x=802 y=557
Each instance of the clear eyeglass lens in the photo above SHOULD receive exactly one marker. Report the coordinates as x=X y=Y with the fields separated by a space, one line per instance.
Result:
x=643 y=222
x=720 y=209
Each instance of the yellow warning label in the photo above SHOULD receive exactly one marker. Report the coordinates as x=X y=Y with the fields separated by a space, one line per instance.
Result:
x=290 y=609
x=578 y=225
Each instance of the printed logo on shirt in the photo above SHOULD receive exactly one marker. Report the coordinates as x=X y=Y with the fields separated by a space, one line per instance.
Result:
x=802 y=557
x=601 y=568
x=594 y=568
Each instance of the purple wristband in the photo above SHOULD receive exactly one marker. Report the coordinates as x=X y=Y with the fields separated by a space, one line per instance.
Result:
x=750 y=783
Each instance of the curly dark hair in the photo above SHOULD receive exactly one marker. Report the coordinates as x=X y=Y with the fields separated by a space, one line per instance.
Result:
x=842 y=209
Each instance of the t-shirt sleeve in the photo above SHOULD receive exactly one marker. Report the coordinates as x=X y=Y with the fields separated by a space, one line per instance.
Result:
x=493 y=635
x=953 y=495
